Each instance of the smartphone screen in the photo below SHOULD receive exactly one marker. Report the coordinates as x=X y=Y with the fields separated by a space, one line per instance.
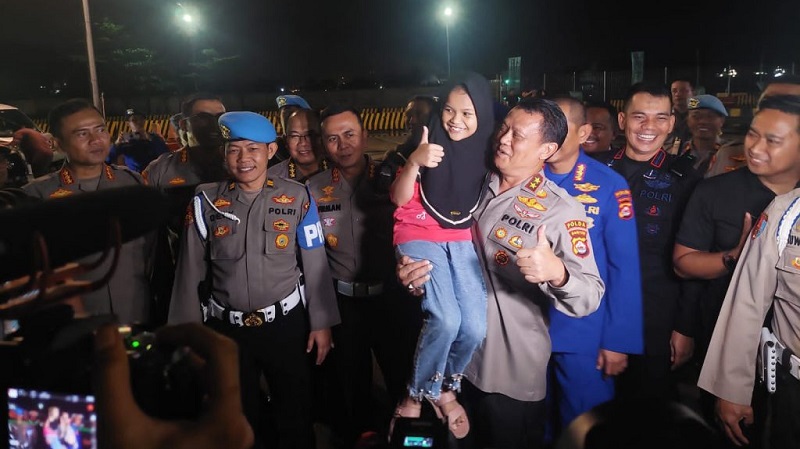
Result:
x=410 y=441
x=41 y=419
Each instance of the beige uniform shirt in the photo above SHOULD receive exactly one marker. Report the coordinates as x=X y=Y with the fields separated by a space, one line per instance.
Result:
x=127 y=294
x=358 y=223
x=288 y=169
x=766 y=276
x=253 y=260
x=729 y=157
x=513 y=358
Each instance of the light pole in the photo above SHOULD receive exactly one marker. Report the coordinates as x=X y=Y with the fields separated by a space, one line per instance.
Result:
x=730 y=73
x=448 y=13
x=90 y=53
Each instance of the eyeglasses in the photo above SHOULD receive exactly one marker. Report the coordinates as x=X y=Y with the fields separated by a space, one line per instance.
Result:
x=296 y=138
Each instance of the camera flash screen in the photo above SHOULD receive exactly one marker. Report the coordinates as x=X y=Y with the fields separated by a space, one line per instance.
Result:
x=41 y=419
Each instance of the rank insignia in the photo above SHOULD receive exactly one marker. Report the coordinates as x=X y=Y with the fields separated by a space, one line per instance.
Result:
x=177 y=181
x=61 y=193
x=760 y=226
x=580 y=172
x=515 y=241
x=541 y=194
x=306 y=205
x=283 y=199
x=586 y=187
x=188 y=219
x=332 y=240
x=500 y=233
x=525 y=213
x=282 y=241
x=231 y=186
x=586 y=199
x=221 y=202
x=534 y=183
x=66 y=177
x=221 y=231
x=280 y=225
x=109 y=173
x=531 y=202
x=501 y=257
x=328 y=222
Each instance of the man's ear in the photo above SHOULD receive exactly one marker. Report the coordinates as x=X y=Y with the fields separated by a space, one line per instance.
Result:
x=621 y=121
x=272 y=148
x=583 y=132
x=547 y=149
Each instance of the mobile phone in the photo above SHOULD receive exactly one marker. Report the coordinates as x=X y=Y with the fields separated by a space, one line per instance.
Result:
x=49 y=419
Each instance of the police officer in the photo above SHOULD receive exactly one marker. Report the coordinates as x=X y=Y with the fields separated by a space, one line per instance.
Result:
x=137 y=147
x=589 y=352
x=705 y=121
x=80 y=132
x=535 y=249
x=287 y=105
x=657 y=197
x=304 y=145
x=378 y=315
x=247 y=242
x=767 y=278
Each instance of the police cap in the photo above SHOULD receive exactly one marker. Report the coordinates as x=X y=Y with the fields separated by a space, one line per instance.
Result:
x=292 y=100
x=708 y=102
x=245 y=125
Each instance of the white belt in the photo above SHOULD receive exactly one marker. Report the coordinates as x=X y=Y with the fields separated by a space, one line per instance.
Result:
x=791 y=363
x=254 y=318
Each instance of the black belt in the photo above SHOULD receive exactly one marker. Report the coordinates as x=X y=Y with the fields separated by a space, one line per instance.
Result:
x=358 y=289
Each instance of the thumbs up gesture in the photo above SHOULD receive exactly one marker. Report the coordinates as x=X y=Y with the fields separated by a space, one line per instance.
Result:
x=426 y=154
x=539 y=264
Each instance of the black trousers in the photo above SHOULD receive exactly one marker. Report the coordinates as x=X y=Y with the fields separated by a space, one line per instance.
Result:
x=784 y=430
x=278 y=349
x=498 y=421
x=386 y=326
x=648 y=376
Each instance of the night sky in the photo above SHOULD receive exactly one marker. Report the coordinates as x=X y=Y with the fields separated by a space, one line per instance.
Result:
x=294 y=41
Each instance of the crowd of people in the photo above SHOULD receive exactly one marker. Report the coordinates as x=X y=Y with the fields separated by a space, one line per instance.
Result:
x=507 y=270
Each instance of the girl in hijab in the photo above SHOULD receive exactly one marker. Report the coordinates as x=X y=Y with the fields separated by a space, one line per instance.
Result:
x=436 y=192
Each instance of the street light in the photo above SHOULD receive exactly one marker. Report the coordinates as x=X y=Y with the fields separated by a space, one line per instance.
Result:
x=90 y=53
x=730 y=73
x=448 y=13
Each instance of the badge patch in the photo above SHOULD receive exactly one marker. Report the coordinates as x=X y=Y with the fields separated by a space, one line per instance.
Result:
x=625 y=203
x=327 y=195
x=531 y=202
x=586 y=198
x=796 y=262
x=221 y=202
x=580 y=242
x=760 y=226
x=524 y=213
x=515 y=241
x=328 y=222
x=221 y=231
x=177 y=181
x=282 y=241
x=332 y=240
x=283 y=199
x=280 y=225
x=188 y=219
x=587 y=187
x=501 y=257
x=652 y=228
x=653 y=211
x=541 y=194
x=500 y=233
x=225 y=131
x=61 y=193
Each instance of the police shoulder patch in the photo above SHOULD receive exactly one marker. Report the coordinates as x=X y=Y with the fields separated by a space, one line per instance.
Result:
x=760 y=226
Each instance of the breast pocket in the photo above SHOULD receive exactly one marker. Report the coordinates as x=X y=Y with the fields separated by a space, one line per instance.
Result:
x=788 y=287
x=281 y=235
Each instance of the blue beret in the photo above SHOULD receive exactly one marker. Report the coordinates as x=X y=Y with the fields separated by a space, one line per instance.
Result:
x=708 y=102
x=245 y=125
x=292 y=100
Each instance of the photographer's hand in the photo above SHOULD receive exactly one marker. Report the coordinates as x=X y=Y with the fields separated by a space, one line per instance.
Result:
x=123 y=425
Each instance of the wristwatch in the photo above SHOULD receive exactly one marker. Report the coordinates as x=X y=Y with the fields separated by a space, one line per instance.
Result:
x=729 y=261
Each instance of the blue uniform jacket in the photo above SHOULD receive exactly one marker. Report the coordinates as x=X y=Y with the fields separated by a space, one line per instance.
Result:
x=617 y=324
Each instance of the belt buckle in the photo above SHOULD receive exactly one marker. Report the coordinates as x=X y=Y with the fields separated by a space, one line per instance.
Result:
x=360 y=289
x=252 y=320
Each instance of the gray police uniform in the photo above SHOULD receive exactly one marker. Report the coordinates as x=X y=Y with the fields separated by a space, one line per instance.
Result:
x=378 y=314
x=288 y=169
x=248 y=245
x=513 y=358
x=127 y=294
x=767 y=276
x=729 y=157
